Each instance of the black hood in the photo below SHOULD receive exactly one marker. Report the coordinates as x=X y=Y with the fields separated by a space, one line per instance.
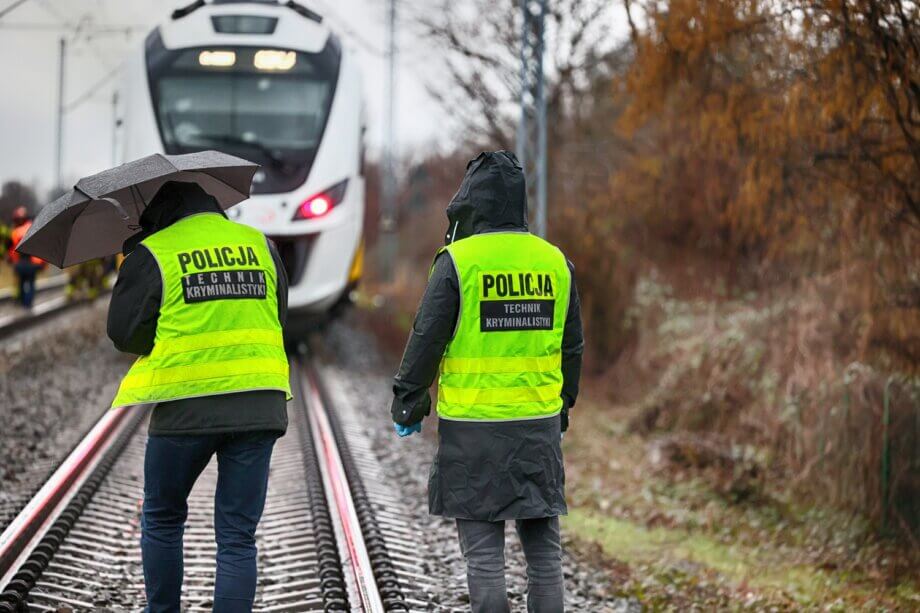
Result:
x=173 y=201
x=492 y=196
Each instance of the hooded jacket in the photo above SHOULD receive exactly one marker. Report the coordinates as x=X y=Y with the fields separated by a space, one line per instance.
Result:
x=135 y=308
x=490 y=470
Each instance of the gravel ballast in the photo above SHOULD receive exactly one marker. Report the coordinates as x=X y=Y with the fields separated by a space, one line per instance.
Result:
x=56 y=380
x=357 y=376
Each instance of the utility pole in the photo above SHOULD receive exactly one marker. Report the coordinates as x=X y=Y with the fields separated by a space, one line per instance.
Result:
x=388 y=237
x=116 y=123
x=59 y=139
x=531 y=134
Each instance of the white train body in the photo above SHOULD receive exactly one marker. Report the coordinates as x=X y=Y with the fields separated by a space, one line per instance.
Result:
x=273 y=85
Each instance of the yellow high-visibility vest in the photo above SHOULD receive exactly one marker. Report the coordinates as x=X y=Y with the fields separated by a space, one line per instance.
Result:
x=505 y=360
x=218 y=330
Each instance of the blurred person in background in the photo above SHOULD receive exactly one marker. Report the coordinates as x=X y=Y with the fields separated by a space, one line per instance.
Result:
x=203 y=301
x=26 y=268
x=5 y=240
x=500 y=319
x=5 y=235
x=85 y=281
x=111 y=264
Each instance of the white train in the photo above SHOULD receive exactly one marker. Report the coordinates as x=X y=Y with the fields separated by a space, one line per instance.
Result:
x=269 y=82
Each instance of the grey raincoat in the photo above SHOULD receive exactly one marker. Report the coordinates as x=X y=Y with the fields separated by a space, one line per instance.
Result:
x=490 y=470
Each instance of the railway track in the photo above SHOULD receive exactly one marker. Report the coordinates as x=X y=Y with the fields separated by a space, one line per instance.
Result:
x=41 y=311
x=52 y=302
x=44 y=284
x=331 y=537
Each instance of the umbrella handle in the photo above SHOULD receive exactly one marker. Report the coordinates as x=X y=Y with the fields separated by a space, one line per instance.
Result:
x=118 y=207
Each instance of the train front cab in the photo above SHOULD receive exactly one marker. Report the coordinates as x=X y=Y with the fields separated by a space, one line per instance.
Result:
x=287 y=97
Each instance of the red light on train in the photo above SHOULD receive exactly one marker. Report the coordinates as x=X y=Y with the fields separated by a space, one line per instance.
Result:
x=320 y=204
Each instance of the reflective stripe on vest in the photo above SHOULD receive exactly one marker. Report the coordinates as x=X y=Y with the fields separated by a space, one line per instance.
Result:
x=218 y=330
x=505 y=361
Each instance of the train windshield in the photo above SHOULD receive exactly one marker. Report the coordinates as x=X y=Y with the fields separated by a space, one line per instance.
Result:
x=266 y=105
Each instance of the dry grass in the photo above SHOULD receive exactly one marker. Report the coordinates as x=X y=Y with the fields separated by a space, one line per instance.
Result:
x=765 y=378
x=731 y=459
x=678 y=543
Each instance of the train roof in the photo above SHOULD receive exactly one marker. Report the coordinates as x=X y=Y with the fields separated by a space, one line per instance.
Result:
x=245 y=23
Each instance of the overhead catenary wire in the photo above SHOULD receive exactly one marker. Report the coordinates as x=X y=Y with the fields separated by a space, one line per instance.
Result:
x=350 y=32
x=56 y=13
x=91 y=91
x=82 y=29
x=409 y=63
x=112 y=29
x=12 y=7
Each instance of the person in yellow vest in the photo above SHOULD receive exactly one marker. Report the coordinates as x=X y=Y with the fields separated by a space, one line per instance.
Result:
x=500 y=320
x=85 y=280
x=202 y=300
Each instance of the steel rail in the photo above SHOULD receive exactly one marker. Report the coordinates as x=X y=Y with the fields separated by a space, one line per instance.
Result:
x=26 y=532
x=38 y=476
x=322 y=547
x=377 y=540
x=339 y=498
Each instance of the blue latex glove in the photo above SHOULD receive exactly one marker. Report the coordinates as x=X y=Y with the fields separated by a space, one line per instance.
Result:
x=407 y=430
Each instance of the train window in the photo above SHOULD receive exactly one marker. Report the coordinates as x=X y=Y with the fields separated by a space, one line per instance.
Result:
x=267 y=105
x=276 y=114
x=272 y=111
x=244 y=24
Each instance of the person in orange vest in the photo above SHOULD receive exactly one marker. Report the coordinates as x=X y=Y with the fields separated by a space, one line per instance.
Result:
x=25 y=267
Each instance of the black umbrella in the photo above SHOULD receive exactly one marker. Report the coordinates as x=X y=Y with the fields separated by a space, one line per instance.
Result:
x=101 y=211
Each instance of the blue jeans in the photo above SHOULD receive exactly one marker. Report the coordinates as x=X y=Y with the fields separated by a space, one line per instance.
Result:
x=483 y=546
x=171 y=467
x=25 y=272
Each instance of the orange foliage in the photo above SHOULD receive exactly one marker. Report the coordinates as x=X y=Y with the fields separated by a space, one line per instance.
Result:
x=785 y=133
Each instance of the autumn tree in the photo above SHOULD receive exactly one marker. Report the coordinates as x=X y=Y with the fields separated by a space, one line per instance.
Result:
x=479 y=47
x=785 y=133
x=782 y=137
x=14 y=194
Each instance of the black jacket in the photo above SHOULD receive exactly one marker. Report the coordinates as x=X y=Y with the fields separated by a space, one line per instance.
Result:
x=485 y=470
x=135 y=308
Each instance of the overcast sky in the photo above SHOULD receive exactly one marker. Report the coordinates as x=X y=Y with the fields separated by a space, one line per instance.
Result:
x=28 y=80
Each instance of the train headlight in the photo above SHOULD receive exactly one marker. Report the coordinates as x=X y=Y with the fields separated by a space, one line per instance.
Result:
x=217 y=58
x=273 y=59
x=320 y=204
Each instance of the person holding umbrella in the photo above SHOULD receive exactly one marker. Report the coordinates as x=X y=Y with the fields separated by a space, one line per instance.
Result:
x=202 y=300
x=500 y=324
